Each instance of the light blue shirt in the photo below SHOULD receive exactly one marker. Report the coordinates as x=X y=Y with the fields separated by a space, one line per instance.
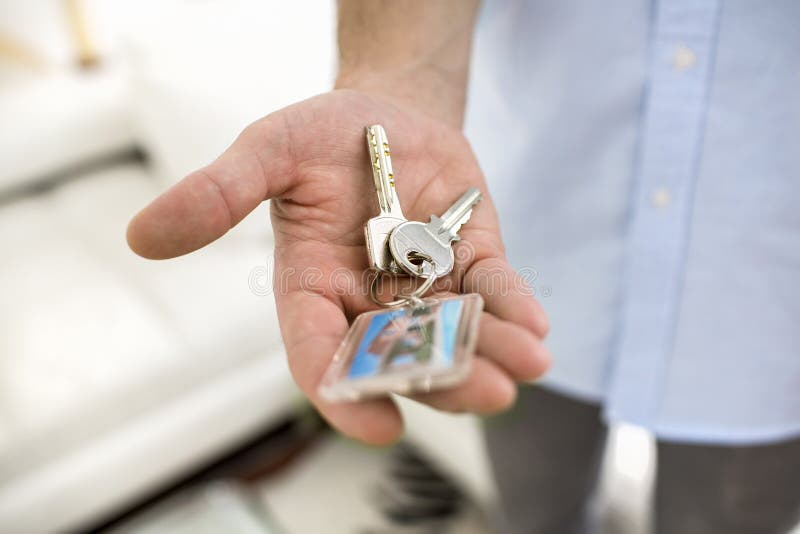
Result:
x=645 y=158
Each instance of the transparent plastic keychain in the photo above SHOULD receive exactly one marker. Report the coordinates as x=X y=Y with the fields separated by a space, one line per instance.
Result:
x=415 y=346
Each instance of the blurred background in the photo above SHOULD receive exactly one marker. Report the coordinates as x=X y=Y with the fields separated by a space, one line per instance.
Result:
x=142 y=396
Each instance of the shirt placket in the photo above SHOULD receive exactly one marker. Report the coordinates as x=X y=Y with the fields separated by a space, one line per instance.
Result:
x=669 y=151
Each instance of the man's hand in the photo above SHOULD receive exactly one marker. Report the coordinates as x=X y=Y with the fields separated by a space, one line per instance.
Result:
x=311 y=160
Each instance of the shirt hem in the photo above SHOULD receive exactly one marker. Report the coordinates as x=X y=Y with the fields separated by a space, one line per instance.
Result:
x=709 y=435
x=571 y=391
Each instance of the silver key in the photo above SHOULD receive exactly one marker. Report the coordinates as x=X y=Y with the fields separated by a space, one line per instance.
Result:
x=378 y=228
x=412 y=240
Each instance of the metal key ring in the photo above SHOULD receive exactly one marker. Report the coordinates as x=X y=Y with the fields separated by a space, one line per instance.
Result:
x=415 y=297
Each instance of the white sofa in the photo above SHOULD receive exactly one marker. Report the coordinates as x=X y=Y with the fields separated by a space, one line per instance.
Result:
x=118 y=374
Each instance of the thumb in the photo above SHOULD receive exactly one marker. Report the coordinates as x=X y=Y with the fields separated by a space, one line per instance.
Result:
x=208 y=202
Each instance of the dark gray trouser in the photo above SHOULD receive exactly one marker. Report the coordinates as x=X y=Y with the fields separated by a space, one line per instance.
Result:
x=546 y=456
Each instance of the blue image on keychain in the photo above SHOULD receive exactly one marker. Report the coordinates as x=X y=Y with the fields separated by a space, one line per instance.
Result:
x=398 y=339
x=417 y=348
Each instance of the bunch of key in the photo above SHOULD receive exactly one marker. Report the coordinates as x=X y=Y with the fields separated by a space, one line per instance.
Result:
x=397 y=245
x=417 y=345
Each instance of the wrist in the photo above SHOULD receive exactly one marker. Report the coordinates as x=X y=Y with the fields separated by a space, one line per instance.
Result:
x=437 y=94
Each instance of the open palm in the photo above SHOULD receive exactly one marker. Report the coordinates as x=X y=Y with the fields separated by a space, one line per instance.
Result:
x=311 y=160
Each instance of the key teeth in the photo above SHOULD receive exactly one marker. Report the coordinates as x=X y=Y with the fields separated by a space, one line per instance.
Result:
x=448 y=236
x=457 y=227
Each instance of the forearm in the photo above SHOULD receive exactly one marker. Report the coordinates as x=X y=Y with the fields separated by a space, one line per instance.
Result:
x=416 y=52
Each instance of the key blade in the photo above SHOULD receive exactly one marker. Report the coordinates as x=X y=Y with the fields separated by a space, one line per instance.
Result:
x=382 y=173
x=451 y=232
x=460 y=207
x=448 y=225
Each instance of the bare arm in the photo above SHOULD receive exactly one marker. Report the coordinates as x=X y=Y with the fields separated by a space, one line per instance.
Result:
x=414 y=52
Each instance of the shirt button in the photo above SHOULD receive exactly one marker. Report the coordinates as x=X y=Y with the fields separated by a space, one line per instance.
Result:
x=684 y=58
x=661 y=197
